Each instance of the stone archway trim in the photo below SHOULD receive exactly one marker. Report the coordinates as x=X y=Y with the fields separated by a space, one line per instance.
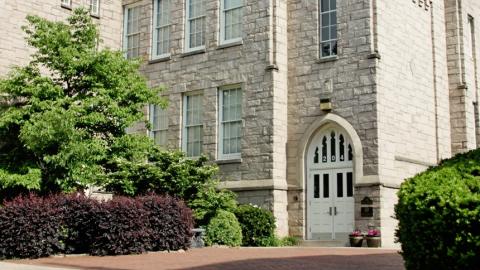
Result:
x=315 y=127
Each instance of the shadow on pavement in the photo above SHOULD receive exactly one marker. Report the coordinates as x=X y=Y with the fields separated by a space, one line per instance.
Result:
x=387 y=261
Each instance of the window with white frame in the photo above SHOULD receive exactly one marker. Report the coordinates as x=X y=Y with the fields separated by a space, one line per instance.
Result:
x=161 y=28
x=231 y=20
x=67 y=3
x=131 y=38
x=230 y=121
x=159 y=122
x=95 y=7
x=328 y=28
x=193 y=124
x=195 y=24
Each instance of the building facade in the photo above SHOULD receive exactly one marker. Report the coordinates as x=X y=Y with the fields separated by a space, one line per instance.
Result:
x=315 y=109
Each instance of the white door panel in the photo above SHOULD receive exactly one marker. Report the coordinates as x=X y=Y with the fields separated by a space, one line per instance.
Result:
x=330 y=203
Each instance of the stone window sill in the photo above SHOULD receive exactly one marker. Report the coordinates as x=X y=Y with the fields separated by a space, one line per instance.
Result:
x=69 y=7
x=327 y=59
x=230 y=44
x=160 y=59
x=228 y=161
x=200 y=51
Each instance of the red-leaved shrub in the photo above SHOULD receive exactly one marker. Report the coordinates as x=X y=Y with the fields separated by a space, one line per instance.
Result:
x=163 y=216
x=32 y=227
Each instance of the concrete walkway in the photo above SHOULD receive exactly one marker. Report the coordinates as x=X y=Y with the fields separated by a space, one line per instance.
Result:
x=13 y=266
x=230 y=259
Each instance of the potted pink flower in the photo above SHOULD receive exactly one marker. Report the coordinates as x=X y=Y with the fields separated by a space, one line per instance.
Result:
x=373 y=238
x=356 y=238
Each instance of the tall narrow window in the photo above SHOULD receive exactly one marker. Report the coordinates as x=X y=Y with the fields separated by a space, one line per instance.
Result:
x=159 y=122
x=161 y=28
x=95 y=7
x=67 y=3
x=230 y=101
x=193 y=125
x=196 y=25
x=328 y=28
x=316 y=186
x=231 y=21
x=131 y=38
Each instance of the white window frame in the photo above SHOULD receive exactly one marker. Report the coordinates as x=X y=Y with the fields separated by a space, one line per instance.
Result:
x=155 y=27
x=188 y=30
x=320 y=17
x=223 y=12
x=184 y=120
x=153 y=130
x=221 y=155
x=66 y=3
x=97 y=5
x=125 y=28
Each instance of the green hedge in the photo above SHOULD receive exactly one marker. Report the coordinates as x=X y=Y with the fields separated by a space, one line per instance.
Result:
x=439 y=215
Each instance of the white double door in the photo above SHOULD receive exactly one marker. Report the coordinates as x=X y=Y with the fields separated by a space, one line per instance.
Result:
x=330 y=206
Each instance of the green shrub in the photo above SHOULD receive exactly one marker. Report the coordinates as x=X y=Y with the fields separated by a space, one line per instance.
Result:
x=224 y=229
x=258 y=225
x=209 y=201
x=439 y=215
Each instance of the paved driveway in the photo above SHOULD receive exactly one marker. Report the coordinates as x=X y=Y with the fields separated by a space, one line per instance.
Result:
x=232 y=259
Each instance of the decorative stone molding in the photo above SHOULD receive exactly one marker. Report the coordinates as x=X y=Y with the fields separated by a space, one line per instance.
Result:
x=423 y=3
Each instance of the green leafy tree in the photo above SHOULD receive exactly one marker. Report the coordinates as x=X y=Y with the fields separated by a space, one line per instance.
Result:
x=64 y=115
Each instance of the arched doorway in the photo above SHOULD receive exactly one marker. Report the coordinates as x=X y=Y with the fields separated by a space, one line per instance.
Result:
x=330 y=184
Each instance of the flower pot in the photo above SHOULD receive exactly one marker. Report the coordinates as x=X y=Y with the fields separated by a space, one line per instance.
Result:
x=356 y=241
x=373 y=241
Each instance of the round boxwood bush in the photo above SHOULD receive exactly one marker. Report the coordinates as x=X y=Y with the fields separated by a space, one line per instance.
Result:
x=439 y=215
x=224 y=229
x=258 y=225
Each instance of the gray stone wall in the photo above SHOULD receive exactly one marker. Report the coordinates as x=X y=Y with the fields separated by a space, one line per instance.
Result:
x=348 y=81
x=13 y=48
x=254 y=65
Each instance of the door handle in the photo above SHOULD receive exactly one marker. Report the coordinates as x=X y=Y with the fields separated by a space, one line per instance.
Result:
x=330 y=211
x=335 y=210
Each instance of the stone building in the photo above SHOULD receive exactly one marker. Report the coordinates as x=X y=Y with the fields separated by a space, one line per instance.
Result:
x=315 y=109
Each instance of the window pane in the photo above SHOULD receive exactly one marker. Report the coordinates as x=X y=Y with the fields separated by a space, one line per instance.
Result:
x=232 y=4
x=325 y=186
x=349 y=184
x=333 y=156
x=325 y=49
x=316 y=186
x=325 y=33
x=339 y=185
x=333 y=18
x=325 y=5
x=333 y=46
x=325 y=19
x=342 y=148
x=333 y=4
x=333 y=32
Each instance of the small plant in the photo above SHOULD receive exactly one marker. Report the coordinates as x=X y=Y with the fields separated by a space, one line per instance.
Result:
x=356 y=238
x=224 y=229
x=289 y=241
x=356 y=233
x=373 y=233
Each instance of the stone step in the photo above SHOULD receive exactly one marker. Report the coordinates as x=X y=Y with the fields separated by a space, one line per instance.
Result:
x=323 y=243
